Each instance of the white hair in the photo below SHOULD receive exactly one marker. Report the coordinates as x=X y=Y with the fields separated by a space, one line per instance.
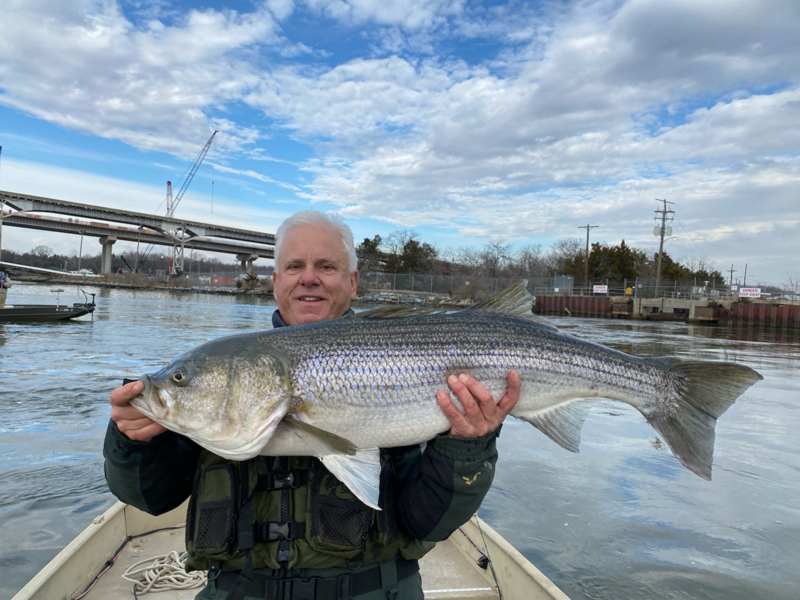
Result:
x=331 y=222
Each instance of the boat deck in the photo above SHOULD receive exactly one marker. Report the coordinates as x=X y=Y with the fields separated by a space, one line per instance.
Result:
x=446 y=575
x=452 y=571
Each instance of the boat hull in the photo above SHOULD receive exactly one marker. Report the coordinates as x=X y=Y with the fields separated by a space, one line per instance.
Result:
x=43 y=313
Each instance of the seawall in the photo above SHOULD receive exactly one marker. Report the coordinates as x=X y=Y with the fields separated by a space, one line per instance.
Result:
x=728 y=313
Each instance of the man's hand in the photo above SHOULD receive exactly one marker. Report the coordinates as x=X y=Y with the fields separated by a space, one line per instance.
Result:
x=130 y=421
x=481 y=415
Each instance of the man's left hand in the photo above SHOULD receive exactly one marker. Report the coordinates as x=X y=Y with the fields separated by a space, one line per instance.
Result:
x=481 y=414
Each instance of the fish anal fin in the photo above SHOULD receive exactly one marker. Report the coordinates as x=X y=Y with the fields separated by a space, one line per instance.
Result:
x=336 y=443
x=360 y=473
x=561 y=423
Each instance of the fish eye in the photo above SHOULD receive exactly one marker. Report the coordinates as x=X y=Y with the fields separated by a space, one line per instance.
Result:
x=179 y=377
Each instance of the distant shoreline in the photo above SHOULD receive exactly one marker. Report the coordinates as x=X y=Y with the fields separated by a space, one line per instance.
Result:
x=99 y=282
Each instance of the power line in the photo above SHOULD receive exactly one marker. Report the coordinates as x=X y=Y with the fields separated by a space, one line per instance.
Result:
x=691 y=239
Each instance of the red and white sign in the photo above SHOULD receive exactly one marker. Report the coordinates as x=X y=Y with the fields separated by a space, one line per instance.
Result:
x=749 y=292
x=600 y=289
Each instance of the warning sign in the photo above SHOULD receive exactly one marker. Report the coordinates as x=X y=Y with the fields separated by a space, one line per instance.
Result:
x=749 y=292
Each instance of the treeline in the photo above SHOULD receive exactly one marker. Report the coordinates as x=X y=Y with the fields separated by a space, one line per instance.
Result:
x=404 y=252
x=43 y=257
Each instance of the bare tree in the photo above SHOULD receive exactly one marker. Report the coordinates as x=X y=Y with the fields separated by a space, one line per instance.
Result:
x=531 y=262
x=42 y=251
x=563 y=250
x=396 y=241
x=792 y=285
x=495 y=256
x=469 y=260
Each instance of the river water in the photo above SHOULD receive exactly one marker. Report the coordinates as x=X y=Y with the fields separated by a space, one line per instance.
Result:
x=621 y=520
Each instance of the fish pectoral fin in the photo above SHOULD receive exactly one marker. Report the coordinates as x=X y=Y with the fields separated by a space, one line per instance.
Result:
x=360 y=473
x=561 y=423
x=335 y=443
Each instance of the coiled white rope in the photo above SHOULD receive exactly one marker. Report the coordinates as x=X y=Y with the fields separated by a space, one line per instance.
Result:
x=163 y=573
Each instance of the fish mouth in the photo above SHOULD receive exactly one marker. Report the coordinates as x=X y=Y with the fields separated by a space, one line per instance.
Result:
x=154 y=401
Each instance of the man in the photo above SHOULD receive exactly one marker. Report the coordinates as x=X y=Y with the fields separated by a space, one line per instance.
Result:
x=284 y=527
x=5 y=283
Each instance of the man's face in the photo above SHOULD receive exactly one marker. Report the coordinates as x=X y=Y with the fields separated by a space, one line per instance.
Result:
x=313 y=281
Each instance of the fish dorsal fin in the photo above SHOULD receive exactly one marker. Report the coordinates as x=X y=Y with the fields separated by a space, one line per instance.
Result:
x=514 y=301
x=395 y=312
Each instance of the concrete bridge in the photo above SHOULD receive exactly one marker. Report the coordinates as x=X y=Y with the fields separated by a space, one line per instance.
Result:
x=148 y=229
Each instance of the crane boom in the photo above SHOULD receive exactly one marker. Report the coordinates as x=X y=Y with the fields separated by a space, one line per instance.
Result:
x=171 y=206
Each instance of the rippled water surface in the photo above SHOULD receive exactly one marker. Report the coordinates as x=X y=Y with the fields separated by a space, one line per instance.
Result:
x=621 y=520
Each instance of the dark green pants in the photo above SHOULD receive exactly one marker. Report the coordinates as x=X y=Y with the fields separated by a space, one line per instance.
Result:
x=409 y=588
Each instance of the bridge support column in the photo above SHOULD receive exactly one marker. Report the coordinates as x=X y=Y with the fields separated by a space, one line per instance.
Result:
x=105 y=261
x=246 y=262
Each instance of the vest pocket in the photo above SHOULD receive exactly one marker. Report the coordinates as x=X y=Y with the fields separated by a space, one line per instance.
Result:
x=341 y=522
x=215 y=508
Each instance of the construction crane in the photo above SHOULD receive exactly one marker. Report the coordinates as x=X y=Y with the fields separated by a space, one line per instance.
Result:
x=172 y=205
x=176 y=252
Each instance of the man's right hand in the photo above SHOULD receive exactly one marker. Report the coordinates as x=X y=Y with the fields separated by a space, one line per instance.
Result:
x=130 y=421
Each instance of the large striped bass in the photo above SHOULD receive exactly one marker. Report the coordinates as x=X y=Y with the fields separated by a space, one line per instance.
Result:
x=341 y=389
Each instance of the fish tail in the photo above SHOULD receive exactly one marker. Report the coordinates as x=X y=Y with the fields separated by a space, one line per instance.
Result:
x=697 y=394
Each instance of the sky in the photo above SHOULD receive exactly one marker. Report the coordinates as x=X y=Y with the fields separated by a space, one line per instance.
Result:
x=466 y=122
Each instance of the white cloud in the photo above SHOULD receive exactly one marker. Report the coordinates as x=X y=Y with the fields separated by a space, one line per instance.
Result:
x=574 y=112
x=87 y=67
x=409 y=14
x=254 y=175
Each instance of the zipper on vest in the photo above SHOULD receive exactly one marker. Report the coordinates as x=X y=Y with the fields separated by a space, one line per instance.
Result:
x=283 y=546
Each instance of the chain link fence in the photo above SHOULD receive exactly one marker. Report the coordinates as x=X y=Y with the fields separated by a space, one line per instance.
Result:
x=464 y=286
x=562 y=285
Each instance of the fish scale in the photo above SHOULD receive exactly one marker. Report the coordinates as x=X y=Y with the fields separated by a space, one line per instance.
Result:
x=391 y=363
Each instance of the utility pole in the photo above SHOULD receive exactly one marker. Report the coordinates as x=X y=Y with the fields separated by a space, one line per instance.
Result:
x=2 y=208
x=586 y=256
x=744 y=283
x=80 y=252
x=661 y=231
x=138 y=241
x=732 y=271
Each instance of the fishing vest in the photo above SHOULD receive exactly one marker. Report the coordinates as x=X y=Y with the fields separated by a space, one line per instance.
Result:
x=289 y=512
